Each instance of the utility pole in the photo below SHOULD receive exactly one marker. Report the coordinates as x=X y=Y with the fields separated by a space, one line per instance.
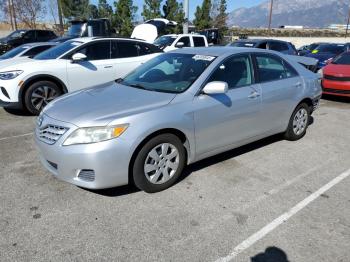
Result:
x=60 y=19
x=13 y=14
x=270 y=16
x=10 y=13
x=347 y=25
x=187 y=11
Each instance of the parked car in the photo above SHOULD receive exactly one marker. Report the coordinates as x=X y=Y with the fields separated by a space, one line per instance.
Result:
x=20 y=37
x=336 y=76
x=324 y=52
x=80 y=28
x=176 y=109
x=307 y=49
x=270 y=44
x=171 y=42
x=70 y=66
x=27 y=50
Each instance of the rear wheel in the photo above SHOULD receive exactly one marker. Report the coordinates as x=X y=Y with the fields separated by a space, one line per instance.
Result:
x=159 y=163
x=39 y=94
x=298 y=123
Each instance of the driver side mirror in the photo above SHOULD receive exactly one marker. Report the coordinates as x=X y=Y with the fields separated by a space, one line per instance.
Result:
x=215 y=87
x=77 y=57
x=180 y=44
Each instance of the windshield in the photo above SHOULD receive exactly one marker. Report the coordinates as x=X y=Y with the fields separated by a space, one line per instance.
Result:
x=343 y=59
x=57 y=51
x=312 y=47
x=17 y=33
x=12 y=53
x=75 y=29
x=164 y=40
x=170 y=73
x=334 y=49
x=242 y=44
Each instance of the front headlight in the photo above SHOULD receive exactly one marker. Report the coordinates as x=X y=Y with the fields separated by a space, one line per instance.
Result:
x=88 y=135
x=320 y=73
x=10 y=74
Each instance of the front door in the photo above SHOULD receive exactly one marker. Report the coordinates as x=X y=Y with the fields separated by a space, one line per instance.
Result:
x=97 y=69
x=225 y=119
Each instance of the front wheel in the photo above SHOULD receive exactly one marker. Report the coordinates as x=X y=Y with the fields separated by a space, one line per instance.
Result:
x=298 y=123
x=39 y=94
x=159 y=163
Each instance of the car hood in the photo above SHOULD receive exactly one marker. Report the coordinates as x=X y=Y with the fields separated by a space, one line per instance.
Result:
x=337 y=70
x=13 y=61
x=102 y=104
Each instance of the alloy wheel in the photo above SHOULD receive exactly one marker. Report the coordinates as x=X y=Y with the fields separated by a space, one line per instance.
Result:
x=43 y=95
x=300 y=121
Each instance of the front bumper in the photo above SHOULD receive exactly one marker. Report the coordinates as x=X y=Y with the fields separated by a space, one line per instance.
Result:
x=338 y=88
x=108 y=161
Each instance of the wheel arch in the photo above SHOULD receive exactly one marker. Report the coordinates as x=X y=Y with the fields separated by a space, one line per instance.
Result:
x=42 y=77
x=181 y=135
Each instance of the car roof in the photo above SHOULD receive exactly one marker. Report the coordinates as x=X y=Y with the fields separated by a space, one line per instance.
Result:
x=221 y=51
x=177 y=35
x=257 y=40
x=40 y=44
x=89 y=39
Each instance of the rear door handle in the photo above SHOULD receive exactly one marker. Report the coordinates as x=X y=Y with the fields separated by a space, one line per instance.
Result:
x=108 y=66
x=253 y=95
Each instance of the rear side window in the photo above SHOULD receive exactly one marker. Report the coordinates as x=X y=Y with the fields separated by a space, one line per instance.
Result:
x=99 y=50
x=198 y=41
x=185 y=40
x=124 y=49
x=277 y=46
x=262 y=45
x=36 y=50
x=235 y=71
x=272 y=68
x=43 y=34
x=146 y=49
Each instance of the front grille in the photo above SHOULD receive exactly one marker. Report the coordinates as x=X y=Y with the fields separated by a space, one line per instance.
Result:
x=336 y=91
x=337 y=78
x=87 y=175
x=51 y=133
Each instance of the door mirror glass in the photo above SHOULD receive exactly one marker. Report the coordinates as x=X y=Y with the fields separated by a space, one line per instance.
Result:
x=78 y=57
x=180 y=44
x=215 y=87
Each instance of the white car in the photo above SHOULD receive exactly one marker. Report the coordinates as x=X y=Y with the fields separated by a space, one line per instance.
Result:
x=172 y=42
x=70 y=66
x=26 y=51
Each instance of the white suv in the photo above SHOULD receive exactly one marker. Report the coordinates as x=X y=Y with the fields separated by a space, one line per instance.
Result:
x=70 y=66
x=171 y=42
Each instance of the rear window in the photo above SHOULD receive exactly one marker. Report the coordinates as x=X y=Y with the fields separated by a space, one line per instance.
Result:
x=243 y=44
x=277 y=46
x=343 y=59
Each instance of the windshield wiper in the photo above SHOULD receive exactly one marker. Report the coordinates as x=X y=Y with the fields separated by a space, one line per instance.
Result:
x=138 y=86
x=119 y=80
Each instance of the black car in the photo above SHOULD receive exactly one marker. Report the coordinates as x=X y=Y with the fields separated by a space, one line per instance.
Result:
x=20 y=37
x=271 y=44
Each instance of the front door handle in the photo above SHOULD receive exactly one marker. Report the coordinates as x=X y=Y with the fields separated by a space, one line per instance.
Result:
x=108 y=66
x=253 y=95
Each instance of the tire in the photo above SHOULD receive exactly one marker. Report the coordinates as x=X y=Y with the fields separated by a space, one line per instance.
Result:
x=151 y=171
x=39 y=94
x=298 y=123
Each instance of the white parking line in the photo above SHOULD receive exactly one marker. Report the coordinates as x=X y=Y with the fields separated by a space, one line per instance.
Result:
x=283 y=218
x=10 y=137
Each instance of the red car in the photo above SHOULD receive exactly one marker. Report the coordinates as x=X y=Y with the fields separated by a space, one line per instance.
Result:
x=336 y=76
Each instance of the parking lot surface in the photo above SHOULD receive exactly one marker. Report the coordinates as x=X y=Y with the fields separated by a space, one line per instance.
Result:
x=272 y=200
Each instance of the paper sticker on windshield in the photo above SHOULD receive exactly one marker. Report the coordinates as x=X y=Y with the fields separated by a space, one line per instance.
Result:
x=203 y=57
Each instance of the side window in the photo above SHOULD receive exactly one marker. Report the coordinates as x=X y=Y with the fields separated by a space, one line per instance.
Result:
x=236 y=72
x=145 y=49
x=42 y=34
x=276 y=46
x=262 y=45
x=270 y=68
x=185 y=40
x=198 y=41
x=99 y=50
x=290 y=71
x=124 y=49
x=29 y=35
x=36 y=50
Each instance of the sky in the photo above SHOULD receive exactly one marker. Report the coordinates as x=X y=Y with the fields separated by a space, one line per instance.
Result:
x=231 y=4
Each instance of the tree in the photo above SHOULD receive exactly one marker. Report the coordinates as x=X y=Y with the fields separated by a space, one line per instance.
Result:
x=151 y=9
x=220 y=21
x=174 y=11
x=75 y=8
x=104 y=9
x=93 y=11
x=29 y=11
x=202 y=16
x=124 y=17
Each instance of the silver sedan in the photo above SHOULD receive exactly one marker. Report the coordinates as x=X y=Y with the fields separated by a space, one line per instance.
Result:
x=176 y=109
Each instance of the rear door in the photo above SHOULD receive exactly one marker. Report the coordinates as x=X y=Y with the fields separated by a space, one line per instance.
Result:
x=222 y=120
x=97 y=69
x=280 y=85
